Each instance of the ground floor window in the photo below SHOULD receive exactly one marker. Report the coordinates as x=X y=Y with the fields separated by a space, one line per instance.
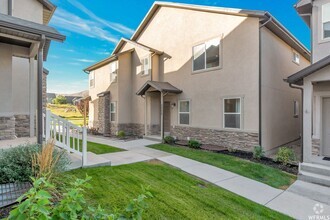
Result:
x=184 y=112
x=113 y=111
x=232 y=113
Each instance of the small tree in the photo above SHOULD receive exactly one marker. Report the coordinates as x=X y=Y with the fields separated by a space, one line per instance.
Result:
x=83 y=107
x=60 y=99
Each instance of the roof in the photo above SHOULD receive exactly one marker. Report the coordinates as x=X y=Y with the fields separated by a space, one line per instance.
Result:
x=304 y=8
x=46 y=71
x=21 y=25
x=47 y=4
x=123 y=41
x=274 y=25
x=105 y=61
x=298 y=77
x=159 y=86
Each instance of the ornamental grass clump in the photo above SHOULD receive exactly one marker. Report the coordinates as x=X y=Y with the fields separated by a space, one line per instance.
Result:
x=48 y=161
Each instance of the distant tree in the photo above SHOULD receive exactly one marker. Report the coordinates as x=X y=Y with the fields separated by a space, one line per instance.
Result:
x=60 y=99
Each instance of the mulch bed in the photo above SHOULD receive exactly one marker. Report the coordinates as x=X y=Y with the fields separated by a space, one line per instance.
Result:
x=289 y=168
x=4 y=212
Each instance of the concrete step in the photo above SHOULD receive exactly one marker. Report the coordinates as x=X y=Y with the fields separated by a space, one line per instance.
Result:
x=314 y=178
x=315 y=168
x=153 y=138
x=310 y=190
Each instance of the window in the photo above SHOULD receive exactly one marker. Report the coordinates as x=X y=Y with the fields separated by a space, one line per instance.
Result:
x=184 y=112
x=113 y=111
x=146 y=65
x=296 y=57
x=206 y=55
x=326 y=21
x=92 y=79
x=295 y=109
x=113 y=71
x=232 y=113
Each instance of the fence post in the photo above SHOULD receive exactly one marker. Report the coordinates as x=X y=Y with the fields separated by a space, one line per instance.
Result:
x=67 y=136
x=84 y=146
x=47 y=125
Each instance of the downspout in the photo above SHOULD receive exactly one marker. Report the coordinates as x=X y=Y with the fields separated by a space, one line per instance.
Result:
x=10 y=7
x=260 y=74
x=39 y=95
x=302 y=117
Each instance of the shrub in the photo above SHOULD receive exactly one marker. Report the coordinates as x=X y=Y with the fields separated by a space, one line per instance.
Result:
x=169 y=140
x=285 y=155
x=194 y=144
x=94 y=131
x=60 y=99
x=121 y=134
x=258 y=152
x=16 y=162
x=42 y=203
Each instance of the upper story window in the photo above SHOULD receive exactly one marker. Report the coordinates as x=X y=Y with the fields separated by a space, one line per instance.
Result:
x=92 y=79
x=295 y=57
x=146 y=65
x=232 y=113
x=113 y=71
x=326 y=21
x=184 y=112
x=206 y=55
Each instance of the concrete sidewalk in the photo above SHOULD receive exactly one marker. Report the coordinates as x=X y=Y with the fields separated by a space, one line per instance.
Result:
x=287 y=202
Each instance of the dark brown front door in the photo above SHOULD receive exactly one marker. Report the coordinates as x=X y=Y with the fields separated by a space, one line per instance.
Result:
x=167 y=116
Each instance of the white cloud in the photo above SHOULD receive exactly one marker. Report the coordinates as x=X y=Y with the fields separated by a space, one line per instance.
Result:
x=85 y=60
x=70 y=22
x=112 y=25
x=65 y=87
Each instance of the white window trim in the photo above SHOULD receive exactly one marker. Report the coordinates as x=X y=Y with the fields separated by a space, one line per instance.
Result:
x=189 y=113
x=207 y=69
x=224 y=113
x=113 y=112
x=143 y=73
x=293 y=57
x=92 y=78
x=322 y=39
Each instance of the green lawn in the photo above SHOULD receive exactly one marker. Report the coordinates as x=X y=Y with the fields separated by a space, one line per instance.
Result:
x=101 y=148
x=262 y=173
x=69 y=112
x=177 y=195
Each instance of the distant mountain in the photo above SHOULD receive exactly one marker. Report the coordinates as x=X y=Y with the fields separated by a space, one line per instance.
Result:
x=84 y=93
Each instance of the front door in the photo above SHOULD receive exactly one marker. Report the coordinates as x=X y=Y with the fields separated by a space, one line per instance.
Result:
x=167 y=116
x=326 y=127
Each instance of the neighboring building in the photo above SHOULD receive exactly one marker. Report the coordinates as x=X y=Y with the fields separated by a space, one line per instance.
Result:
x=24 y=43
x=206 y=73
x=50 y=97
x=315 y=83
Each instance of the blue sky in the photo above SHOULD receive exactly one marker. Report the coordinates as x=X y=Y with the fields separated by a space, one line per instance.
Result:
x=94 y=27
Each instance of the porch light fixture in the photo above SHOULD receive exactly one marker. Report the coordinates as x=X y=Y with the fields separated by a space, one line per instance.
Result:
x=173 y=105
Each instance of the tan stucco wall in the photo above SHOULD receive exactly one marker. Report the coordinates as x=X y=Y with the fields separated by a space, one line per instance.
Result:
x=278 y=124
x=31 y=10
x=102 y=83
x=6 y=79
x=20 y=89
x=320 y=47
x=237 y=77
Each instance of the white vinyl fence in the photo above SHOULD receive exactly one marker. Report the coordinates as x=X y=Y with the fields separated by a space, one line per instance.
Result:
x=67 y=136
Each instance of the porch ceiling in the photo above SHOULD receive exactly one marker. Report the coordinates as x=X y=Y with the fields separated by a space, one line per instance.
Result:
x=17 y=42
x=159 y=86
